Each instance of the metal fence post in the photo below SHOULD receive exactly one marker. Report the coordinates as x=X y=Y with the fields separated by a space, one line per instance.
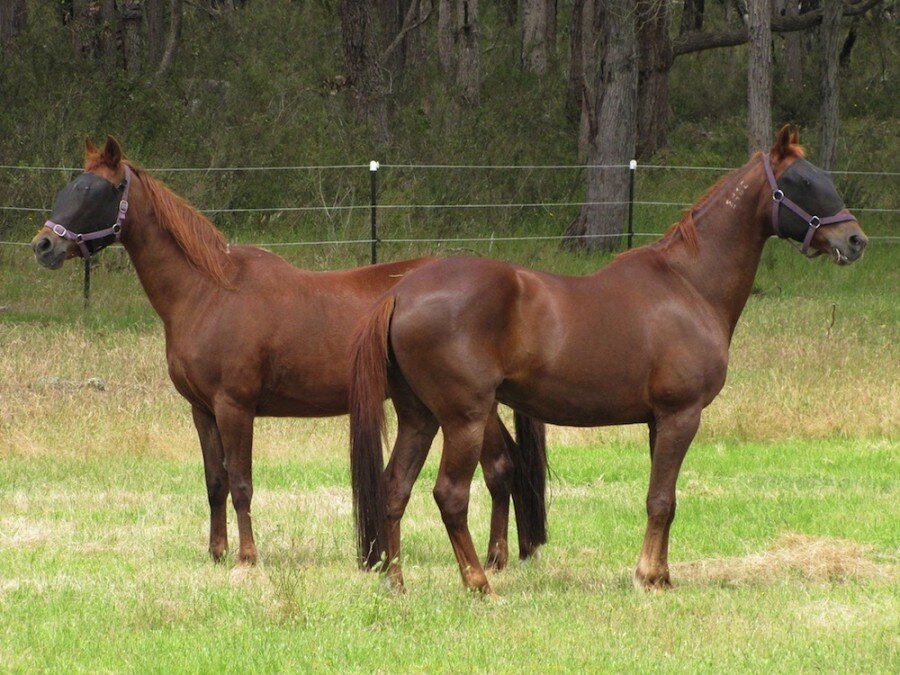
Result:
x=373 y=172
x=632 y=169
x=87 y=282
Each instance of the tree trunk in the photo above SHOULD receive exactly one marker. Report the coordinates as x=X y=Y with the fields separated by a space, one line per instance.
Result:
x=132 y=38
x=575 y=89
x=13 y=19
x=168 y=59
x=830 y=49
x=692 y=16
x=534 y=36
x=793 y=48
x=447 y=39
x=390 y=20
x=85 y=17
x=759 y=76
x=654 y=63
x=361 y=65
x=416 y=45
x=612 y=112
x=468 y=79
x=155 y=18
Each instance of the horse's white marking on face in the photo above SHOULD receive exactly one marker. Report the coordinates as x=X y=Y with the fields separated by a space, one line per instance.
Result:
x=736 y=194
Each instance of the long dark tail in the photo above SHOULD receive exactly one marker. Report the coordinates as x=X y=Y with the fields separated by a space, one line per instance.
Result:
x=530 y=487
x=368 y=388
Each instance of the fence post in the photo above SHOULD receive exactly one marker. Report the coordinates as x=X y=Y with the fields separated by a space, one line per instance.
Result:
x=632 y=168
x=373 y=172
x=87 y=282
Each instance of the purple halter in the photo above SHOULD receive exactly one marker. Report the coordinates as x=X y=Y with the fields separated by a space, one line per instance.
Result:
x=815 y=222
x=115 y=228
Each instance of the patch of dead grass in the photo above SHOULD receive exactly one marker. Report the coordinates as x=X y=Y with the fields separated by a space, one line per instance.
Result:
x=823 y=559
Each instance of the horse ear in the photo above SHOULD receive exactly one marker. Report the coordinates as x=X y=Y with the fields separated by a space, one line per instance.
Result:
x=112 y=152
x=783 y=141
x=89 y=147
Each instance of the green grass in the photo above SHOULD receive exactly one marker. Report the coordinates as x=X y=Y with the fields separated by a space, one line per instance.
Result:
x=104 y=567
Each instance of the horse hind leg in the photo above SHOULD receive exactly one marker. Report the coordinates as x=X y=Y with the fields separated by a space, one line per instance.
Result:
x=498 y=469
x=416 y=429
x=671 y=434
x=236 y=429
x=216 y=481
x=462 y=450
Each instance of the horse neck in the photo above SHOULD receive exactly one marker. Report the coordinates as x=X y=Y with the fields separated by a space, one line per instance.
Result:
x=732 y=229
x=164 y=270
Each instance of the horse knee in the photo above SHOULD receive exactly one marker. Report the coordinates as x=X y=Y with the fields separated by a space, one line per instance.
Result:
x=241 y=495
x=217 y=490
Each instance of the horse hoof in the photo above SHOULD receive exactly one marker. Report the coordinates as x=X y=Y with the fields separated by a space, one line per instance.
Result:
x=496 y=562
x=247 y=558
x=651 y=582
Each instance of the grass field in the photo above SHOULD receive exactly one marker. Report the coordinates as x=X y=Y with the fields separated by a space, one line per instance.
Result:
x=784 y=553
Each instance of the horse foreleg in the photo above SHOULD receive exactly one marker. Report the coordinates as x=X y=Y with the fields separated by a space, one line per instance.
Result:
x=236 y=429
x=216 y=480
x=673 y=435
x=498 y=470
x=462 y=449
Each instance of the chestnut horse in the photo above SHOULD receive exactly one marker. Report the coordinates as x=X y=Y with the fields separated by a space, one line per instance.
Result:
x=248 y=334
x=644 y=340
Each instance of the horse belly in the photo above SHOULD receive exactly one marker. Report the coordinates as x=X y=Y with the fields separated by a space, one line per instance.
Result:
x=579 y=404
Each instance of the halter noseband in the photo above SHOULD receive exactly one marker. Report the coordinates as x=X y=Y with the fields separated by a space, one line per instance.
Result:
x=780 y=199
x=114 y=229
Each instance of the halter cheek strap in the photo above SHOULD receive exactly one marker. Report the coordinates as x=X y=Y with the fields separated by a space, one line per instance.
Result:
x=114 y=229
x=779 y=199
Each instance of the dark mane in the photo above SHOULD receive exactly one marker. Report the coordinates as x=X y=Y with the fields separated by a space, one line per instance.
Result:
x=202 y=243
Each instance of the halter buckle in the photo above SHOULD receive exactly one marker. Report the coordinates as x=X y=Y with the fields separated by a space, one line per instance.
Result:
x=59 y=230
x=123 y=206
x=777 y=195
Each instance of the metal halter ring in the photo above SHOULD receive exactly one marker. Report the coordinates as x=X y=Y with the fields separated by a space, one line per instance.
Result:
x=778 y=195
x=814 y=222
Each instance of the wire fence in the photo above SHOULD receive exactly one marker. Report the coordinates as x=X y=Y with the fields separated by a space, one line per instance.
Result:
x=375 y=208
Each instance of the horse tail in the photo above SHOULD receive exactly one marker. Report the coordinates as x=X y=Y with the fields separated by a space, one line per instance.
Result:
x=368 y=388
x=530 y=483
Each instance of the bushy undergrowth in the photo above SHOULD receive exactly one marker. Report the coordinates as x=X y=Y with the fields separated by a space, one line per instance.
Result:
x=256 y=87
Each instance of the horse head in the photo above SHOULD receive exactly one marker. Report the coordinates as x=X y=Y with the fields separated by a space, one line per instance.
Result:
x=88 y=212
x=806 y=206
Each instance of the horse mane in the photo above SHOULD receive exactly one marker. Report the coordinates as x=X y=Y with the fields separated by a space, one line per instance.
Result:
x=202 y=243
x=686 y=230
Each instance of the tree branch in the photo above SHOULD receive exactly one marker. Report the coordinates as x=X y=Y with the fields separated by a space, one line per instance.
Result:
x=697 y=41
x=409 y=24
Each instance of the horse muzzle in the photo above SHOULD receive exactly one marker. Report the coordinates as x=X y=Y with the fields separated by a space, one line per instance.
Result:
x=844 y=242
x=51 y=250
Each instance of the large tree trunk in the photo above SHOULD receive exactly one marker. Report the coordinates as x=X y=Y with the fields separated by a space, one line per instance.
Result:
x=468 y=79
x=793 y=48
x=575 y=88
x=13 y=18
x=447 y=38
x=132 y=37
x=654 y=63
x=155 y=18
x=535 y=35
x=612 y=105
x=759 y=76
x=361 y=64
x=459 y=37
x=168 y=58
x=830 y=50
